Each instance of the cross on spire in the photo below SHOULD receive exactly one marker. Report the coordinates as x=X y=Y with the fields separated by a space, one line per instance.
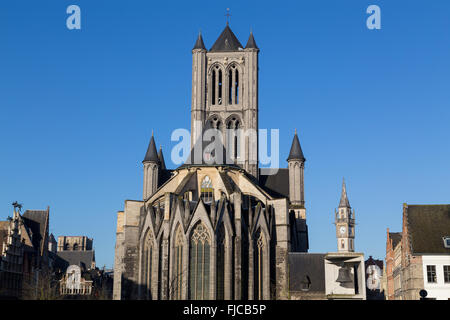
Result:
x=228 y=15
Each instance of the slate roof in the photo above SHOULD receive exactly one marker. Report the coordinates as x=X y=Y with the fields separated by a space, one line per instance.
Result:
x=152 y=154
x=296 y=152
x=427 y=225
x=310 y=265
x=226 y=42
x=276 y=184
x=251 y=43
x=36 y=221
x=161 y=159
x=396 y=238
x=79 y=258
x=199 y=43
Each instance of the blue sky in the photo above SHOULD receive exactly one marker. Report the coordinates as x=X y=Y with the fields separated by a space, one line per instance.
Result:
x=77 y=107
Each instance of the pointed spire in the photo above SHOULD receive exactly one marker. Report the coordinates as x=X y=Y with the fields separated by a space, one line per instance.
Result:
x=251 y=43
x=296 y=152
x=161 y=159
x=152 y=154
x=344 y=203
x=199 y=44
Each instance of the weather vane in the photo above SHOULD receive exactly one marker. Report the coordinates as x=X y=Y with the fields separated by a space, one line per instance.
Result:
x=228 y=14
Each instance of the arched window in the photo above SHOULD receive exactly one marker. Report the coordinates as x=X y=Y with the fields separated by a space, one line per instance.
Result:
x=178 y=265
x=147 y=255
x=219 y=85
x=206 y=190
x=342 y=244
x=259 y=265
x=216 y=85
x=199 y=263
x=221 y=263
x=234 y=138
x=75 y=246
x=233 y=85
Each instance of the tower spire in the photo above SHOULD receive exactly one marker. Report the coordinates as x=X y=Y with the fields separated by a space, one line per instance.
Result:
x=152 y=154
x=296 y=152
x=344 y=203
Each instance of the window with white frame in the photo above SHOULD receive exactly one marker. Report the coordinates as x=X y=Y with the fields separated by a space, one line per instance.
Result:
x=431 y=274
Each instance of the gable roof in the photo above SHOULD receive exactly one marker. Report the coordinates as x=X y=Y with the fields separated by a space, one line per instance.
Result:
x=427 y=225
x=37 y=222
x=80 y=258
x=227 y=41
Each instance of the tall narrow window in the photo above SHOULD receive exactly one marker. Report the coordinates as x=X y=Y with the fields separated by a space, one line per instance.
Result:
x=446 y=274
x=213 y=87
x=431 y=274
x=178 y=272
x=230 y=86
x=342 y=244
x=199 y=263
x=220 y=87
x=221 y=263
x=206 y=190
x=259 y=265
x=236 y=88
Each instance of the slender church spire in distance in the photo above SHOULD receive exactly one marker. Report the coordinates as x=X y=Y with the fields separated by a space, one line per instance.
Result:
x=344 y=203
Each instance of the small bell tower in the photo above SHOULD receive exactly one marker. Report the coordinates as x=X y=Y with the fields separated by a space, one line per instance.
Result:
x=345 y=223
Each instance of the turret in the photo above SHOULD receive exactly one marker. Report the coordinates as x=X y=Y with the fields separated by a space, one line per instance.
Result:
x=296 y=162
x=151 y=169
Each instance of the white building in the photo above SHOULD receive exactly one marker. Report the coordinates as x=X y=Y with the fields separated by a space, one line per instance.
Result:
x=436 y=276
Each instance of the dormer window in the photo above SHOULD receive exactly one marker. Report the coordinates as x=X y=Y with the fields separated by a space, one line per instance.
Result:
x=446 y=241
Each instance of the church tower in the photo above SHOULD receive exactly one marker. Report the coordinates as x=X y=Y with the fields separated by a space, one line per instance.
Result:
x=151 y=169
x=345 y=223
x=225 y=96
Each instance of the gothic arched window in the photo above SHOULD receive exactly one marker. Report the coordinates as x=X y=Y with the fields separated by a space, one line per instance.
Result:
x=234 y=132
x=178 y=265
x=216 y=85
x=233 y=85
x=206 y=190
x=147 y=255
x=199 y=263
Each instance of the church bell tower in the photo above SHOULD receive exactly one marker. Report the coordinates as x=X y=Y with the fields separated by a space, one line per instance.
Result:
x=225 y=96
x=345 y=223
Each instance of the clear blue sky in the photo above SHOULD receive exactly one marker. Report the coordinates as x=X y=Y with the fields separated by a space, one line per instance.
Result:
x=78 y=107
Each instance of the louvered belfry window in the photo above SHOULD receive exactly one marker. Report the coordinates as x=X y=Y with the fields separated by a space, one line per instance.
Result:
x=199 y=263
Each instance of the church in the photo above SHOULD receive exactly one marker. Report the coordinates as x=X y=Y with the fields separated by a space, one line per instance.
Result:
x=217 y=227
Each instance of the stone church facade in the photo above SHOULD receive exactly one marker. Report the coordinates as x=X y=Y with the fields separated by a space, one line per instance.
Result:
x=220 y=229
